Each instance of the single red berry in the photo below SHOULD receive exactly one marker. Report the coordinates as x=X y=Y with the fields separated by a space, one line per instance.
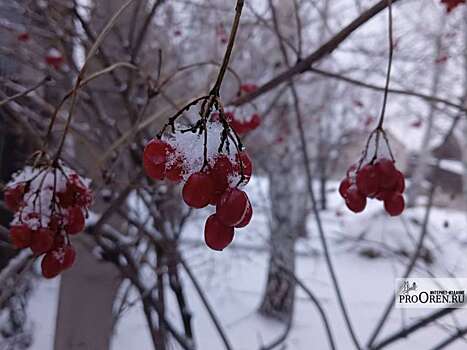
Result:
x=216 y=235
x=394 y=204
x=248 y=215
x=355 y=201
x=20 y=236
x=69 y=257
x=367 y=180
x=75 y=194
x=239 y=127
x=155 y=158
x=344 y=186
x=220 y=173
x=23 y=37
x=54 y=58
x=175 y=170
x=42 y=241
x=248 y=88
x=244 y=159
x=198 y=190
x=13 y=197
x=75 y=221
x=232 y=207
x=386 y=173
x=51 y=265
x=254 y=122
x=400 y=183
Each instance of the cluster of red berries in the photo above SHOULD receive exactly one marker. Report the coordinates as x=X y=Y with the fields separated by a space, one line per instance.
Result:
x=216 y=184
x=379 y=179
x=49 y=204
x=240 y=126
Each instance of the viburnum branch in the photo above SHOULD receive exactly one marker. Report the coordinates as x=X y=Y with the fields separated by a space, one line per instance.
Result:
x=388 y=74
x=233 y=33
x=43 y=81
x=82 y=71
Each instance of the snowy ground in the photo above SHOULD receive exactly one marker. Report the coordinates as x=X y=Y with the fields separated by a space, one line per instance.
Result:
x=234 y=280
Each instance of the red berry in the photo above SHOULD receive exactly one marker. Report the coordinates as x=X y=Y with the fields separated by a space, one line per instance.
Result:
x=54 y=58
x=394 y=204
x=75 y=194
x=155 y=158
x=232 y=207
x=198 y=190
x=246 y=220
x=51 y=265
x=42 y=241
x=75 y=220
x=220 y=173
x=239 y=127
x=355 y=201
x=216 y=235
x=400 y=182
x=248 y=88
x=13 y=197
x=69 y=257
x=20 y=236
x=244 y=159
x=344 y=186
x=367 y=180
x=254 y=122
x=386 y=173
x=23 y=37
x=174 y=171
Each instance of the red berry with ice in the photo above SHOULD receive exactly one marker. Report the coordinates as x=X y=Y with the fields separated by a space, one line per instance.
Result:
x=208 y=159
x=49 y=203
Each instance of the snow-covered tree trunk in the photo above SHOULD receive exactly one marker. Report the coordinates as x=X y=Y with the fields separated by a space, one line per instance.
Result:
x=279 y=292
x=287 y=223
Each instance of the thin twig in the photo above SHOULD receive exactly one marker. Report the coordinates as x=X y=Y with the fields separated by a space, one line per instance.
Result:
x=26 y=92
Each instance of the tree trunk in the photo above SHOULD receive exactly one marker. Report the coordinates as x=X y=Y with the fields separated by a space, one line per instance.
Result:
x=288 y=217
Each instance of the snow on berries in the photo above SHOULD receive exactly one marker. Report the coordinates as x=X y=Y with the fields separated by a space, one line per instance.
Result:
x=379 y=179
x=49 y=203
x=213 y=169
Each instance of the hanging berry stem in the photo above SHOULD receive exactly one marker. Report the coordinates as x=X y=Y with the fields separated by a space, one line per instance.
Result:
x=379 y=128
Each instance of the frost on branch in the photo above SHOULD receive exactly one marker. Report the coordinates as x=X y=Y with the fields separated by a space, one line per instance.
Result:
x=49 y=204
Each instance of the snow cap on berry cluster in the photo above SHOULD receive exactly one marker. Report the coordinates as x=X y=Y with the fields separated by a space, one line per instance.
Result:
x=43 y=184
x=190 y=146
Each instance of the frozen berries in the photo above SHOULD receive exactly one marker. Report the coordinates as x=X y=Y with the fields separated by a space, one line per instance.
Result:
x=380 y=180
x=212 y=168
x=49 y=204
